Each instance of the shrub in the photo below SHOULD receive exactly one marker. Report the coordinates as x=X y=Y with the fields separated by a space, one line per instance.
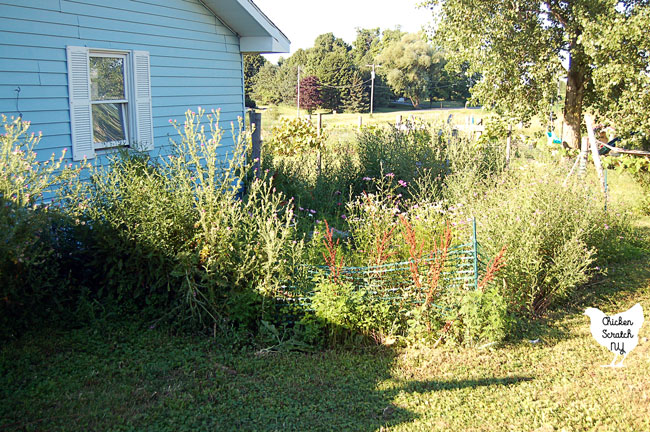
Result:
x=38 y=246
x=484 y=317
x=551 y=231
x=343 y=309
x=294 y=136
x=175 y=240
x=405 y=153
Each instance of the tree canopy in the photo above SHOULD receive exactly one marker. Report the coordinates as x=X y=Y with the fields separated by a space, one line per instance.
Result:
x=518 y=48
x=413 y=70
x=407 y=65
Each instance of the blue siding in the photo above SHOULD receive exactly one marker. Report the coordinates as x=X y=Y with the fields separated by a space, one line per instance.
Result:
x=195 y=61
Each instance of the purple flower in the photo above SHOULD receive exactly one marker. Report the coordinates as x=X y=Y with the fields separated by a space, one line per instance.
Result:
x=367 y=179
x=344 y=217
x=337 y=193
x=312 y=211
x=402 y=183
x=390 y=174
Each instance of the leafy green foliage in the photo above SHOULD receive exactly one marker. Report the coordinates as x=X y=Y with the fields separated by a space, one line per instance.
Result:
x=554 y=234
x=407 y=64
x=294 y=136
x=345 y=310
x=355 y=98
x=275 y=84
x=484 y=317
x=518 y=50
x=252 y=65
x=173 y=239
x=618 y=45
x=406 y=154
x=40 y=272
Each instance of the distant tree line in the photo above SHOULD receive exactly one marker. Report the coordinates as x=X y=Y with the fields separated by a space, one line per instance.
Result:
x=337 y=76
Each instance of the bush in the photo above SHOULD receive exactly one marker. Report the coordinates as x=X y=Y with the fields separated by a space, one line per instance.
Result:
x=175 y=241
x=553 y=234
x=344 y=310
x=294 y=136
x=405 y=153
x=39 y=251
x=484 y=317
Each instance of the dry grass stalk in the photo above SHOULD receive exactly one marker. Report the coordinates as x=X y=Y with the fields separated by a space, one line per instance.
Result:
x=331 y=260
x=415 y=251
x=493 y=268
x=441 y=250
x=381 y=246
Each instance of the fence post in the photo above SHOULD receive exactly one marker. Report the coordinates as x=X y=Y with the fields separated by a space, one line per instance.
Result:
x=319 y=161
x=255 y=122
x=508 y=145
x=475 y=253
x=606 y=189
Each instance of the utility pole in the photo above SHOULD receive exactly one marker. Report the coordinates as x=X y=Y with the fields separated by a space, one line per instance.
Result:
x=372 y=86
x=298 y=91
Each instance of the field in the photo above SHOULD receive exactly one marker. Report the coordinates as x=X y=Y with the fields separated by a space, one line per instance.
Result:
x=270 y=116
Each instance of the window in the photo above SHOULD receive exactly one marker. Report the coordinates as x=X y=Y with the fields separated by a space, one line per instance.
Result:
x=110 y=100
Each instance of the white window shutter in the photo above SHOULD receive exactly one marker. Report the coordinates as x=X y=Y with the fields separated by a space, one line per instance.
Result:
x=81 y=121
x=142 y=102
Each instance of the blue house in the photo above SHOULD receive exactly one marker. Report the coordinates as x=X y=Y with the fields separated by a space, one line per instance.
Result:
x=95 y=75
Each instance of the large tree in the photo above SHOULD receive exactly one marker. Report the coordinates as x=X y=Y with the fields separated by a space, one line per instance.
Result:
x=329 y=60
x=355 y=98
x=406 y=66
x=518 y=47
x=619 y=48
x=275 y=84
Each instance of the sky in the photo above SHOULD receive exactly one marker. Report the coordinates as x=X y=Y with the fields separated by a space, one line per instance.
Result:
x=303 y=20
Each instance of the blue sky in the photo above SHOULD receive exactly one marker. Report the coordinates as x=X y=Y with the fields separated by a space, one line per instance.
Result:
x=303 y=20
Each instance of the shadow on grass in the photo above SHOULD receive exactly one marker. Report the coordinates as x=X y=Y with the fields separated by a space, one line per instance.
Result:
x=131 y=378
x=435 y=385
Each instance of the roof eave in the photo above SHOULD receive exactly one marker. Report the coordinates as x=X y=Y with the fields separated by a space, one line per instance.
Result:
x=256 y=31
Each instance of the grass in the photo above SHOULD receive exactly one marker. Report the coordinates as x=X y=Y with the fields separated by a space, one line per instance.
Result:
x=349 y=121
x=125 y=376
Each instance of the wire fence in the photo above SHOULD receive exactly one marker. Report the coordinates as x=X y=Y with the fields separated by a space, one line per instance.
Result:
x=398 y=283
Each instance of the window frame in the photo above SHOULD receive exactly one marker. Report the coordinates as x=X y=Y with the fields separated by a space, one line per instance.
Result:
x=126 y=103
x=140 y=109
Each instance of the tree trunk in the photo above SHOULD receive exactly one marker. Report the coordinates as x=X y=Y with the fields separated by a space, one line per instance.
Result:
x=575 y=90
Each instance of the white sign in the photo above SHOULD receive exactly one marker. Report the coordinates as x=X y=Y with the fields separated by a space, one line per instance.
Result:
x=618 y=333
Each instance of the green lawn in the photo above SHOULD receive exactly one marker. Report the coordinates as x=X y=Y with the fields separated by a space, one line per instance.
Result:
x=383 y=116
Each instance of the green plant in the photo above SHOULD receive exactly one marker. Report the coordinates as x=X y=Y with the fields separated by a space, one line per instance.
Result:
x=405 y=153
x=174 y=238
x=484 y=317
x=41 y=253
x=346 y=310
x=294 y=136
x=23 y=178
x=554 y=234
